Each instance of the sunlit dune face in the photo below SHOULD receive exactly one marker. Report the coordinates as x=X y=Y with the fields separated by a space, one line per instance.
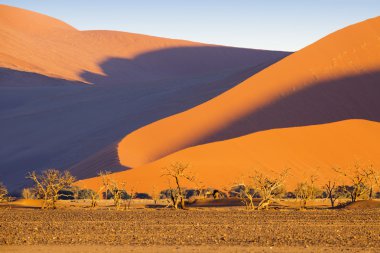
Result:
x=310 y=150
x=346 y=58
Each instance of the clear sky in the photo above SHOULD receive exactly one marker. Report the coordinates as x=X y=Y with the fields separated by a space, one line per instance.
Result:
x=266 y=24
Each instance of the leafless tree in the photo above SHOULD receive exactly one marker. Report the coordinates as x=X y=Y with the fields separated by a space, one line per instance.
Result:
x=155 y=195
x=132 y=195
x=332 y=192
x=49 y=184
x=95 y=196
x=268 y=187
x=3 y=192
x=362 y=181
x=306 y=191
x=28 y=193
x=178 y=172
x=106 y=180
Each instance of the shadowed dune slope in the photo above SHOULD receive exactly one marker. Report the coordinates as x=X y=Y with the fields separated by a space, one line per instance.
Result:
x=336 y=78
x=67 y=97
x=305 y=150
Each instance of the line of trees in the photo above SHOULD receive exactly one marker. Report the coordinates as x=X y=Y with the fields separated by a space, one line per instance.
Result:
x=51 y=185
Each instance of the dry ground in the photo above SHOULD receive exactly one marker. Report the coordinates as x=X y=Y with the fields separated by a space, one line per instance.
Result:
x=194 y=230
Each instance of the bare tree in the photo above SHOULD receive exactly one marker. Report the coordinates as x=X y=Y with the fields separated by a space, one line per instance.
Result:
x=359 y=177
x=155 y=195
x=268 y=187
x=117 y=190
x=49 y=184
x=106 y=180
x=3 y=192
x=306 y=191
x=332 y=192
x=372 y=179
x=132 y=195
x=179 y=172
x=28 y=193
x=95 y=196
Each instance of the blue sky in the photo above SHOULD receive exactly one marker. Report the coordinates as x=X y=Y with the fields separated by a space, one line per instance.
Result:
x=266 y=24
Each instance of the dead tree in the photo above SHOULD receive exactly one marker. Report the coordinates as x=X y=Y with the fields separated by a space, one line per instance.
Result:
x=332 y=192
x=28 y=193
x=359 y=179
x=95 y=196
x=132 y=195
x=49 y=184
x=106 y=180
x=178 y=171
x=306 y=191
x=372 y=179
x=3 y=192
x=268 y=187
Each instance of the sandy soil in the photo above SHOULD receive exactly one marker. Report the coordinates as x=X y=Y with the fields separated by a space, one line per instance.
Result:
x=193 y=230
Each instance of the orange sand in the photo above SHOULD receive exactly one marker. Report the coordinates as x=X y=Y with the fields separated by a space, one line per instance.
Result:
x=333 y=79
x=305 y=150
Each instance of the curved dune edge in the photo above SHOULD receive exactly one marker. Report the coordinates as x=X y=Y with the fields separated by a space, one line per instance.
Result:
x=305 y=150
x=37 y=43
x=353 y=52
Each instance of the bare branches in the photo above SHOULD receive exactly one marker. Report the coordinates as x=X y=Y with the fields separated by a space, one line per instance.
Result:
x=306 y=191
x=49 y=183
x=362 y=181
x=3 y=192
x=267 y=186
x=106 y=180
x=332 y=192
x=179 y=172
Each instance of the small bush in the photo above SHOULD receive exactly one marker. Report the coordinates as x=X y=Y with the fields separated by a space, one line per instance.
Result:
x=28 y=193
x=86 y=194
x=3 y=192
x=142 y=195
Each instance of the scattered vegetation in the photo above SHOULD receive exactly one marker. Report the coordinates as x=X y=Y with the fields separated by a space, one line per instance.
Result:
x=363 y=180
x=306 y=191
x=178 y=171
x=49 y=184
x=52 y=185
x=332 y=192
x=3 y=192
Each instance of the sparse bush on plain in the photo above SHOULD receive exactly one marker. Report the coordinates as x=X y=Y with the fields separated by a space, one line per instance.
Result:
x=332 y=192
x=3 y=192
x=363 y=181
x=49 y=184
x=178 y=172
x=306 y=191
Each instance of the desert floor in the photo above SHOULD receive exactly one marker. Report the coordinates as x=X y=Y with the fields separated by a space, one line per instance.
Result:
x=193 y=230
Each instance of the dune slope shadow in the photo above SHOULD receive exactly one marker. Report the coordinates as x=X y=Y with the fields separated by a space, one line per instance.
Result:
x=49 y=122
x=181 y=63
x=353 y=97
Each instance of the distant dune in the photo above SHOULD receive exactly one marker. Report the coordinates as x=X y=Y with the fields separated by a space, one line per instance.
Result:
x=67 y=97
x=336 y=78
x=307 y=150
x=37 y=43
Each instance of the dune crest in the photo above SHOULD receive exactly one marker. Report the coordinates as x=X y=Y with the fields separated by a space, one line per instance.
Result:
x=333 y=79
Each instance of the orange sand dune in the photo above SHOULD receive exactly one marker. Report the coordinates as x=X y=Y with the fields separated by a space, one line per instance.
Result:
x=37 y=43
x=305 y=150
x=336 y=78
x=51 y=118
